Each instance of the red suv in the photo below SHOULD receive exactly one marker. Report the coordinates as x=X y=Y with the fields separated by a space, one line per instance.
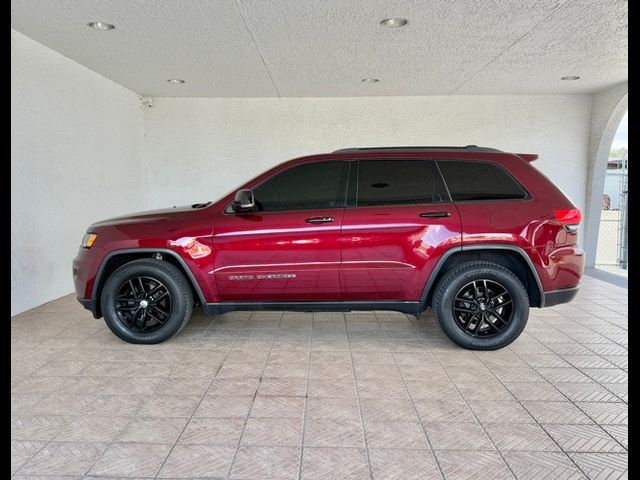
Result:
x=477 y=234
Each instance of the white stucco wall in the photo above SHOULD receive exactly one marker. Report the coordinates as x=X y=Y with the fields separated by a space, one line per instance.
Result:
x=76 y=142
x=201 y=148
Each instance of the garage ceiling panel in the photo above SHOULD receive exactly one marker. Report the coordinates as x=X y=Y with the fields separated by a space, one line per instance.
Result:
x=265 y=48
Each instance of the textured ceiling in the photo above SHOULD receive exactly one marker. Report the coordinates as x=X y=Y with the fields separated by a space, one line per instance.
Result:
x=266 y=48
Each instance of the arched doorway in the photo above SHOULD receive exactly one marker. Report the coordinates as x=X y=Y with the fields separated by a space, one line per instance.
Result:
x=608 y=110
x=612 y=247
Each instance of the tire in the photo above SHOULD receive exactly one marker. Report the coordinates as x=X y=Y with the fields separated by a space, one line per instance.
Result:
x=460 y=326
x=158 y=293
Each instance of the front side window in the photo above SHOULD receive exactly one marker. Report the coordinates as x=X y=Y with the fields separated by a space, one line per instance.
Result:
x=479 y=181
x=305 y=187
x=394 y=182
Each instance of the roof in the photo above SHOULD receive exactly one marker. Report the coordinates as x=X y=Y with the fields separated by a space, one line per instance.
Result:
x=467 y=148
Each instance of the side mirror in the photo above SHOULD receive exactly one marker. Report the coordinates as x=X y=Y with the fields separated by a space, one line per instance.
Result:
x=244 y=201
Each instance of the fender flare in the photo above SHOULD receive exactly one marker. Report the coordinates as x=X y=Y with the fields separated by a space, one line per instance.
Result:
x=481 y=246
x=115 y=253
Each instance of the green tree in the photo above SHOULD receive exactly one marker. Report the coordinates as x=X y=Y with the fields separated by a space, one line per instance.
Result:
x=619 y=152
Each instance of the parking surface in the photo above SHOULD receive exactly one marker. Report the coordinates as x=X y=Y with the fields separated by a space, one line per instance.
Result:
x=300 y=395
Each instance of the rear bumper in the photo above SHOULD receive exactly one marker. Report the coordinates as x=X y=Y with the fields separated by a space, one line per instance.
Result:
x=89 y=305
x=556 y=297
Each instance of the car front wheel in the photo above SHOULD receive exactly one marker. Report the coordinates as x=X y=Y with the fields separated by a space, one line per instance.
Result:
x=481 y=305
x=146 y=301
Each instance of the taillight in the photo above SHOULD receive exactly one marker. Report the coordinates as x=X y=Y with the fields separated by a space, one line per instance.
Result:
x=570 y=218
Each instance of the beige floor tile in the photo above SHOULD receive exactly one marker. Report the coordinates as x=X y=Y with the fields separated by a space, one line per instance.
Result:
x=333 y=433
x=404 y=464
x=523 y=436
x=472 y=465
x=224 y=406
x=333 y=407
x=606 y=413
x=387 y=409
x=92 y=429
x=602 y=466
x=213 y=431
x=194 y=461
x=538 y=465
x=327 y=387
x=323 y=462
x=253 y=462
x=395 y=435
x=278 y=407
x=457 y=436
x=444 y=411
x=233 y=386
x=169 y=406
x=64 y=458
x=283 y=387
x=131 y=459
x=583 y=438
x=273 y=431
x=22 y=451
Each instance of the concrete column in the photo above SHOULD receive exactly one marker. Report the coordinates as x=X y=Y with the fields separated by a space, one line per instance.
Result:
x=607 y=110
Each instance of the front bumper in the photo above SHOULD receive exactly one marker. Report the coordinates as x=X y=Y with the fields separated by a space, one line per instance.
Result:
x=556 y=297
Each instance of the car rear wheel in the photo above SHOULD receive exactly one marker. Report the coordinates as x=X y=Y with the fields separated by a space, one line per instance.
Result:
x=146 y=301
x=481 y=305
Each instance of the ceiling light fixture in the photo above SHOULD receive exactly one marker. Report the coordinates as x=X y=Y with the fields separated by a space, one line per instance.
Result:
x=101 y=26
x=394 y=22
x=370 y=80
x=570 y=77
x=175 y=80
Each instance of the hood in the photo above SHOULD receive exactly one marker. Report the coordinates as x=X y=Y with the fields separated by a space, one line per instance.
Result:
x=152 y=216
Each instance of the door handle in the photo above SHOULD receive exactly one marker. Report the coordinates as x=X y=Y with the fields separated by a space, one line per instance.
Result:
x=320 y=220
x=435 y=214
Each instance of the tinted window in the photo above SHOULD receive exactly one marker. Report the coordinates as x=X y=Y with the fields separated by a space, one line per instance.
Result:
x=306 y=187
x=479 y=181
x=394 y=182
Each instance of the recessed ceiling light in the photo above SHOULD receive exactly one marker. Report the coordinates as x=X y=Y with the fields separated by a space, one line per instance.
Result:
x=101 y=26
x=370 y=80
x=175 y=80
x=570 y=77
x=394 y=22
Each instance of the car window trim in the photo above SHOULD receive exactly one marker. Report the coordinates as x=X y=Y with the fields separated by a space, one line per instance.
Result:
x=527 y=196
x=352 y=196
x=340 y=199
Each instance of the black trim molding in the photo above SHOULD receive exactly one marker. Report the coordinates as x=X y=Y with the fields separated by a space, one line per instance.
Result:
x=556 y=297
x=400 y=306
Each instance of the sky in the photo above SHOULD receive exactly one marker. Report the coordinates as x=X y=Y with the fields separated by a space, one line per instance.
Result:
x=620 y=140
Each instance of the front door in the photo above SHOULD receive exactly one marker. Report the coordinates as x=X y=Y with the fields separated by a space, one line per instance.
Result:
x=288 y=249
x=399 y=223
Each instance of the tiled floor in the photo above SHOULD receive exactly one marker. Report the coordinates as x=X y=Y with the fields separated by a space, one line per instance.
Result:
x=362 y=395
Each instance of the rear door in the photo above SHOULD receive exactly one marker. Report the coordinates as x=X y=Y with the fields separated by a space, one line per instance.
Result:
x=289 y=248
x=398 y=222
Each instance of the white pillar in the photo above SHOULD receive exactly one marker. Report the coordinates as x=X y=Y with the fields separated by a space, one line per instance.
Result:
x=607 y=110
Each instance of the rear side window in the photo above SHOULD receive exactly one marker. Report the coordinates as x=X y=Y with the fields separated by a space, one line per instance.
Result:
x=394 y=182
x=306 y=187
x=479 y=181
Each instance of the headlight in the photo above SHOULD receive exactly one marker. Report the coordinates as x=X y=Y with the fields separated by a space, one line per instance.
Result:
x=88 y=240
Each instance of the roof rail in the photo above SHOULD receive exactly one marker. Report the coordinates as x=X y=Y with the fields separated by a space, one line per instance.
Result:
x=467 y=148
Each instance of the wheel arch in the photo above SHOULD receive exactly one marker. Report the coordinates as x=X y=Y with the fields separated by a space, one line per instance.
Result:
x=512 y=257
x=115 y=259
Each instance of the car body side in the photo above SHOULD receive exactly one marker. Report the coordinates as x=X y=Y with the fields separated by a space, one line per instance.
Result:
x=194 y=240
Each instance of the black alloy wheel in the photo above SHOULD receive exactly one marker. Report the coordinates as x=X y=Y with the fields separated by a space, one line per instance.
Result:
x=483 y=308
x=143 y=304
x=146 y=301
x=481 y=305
